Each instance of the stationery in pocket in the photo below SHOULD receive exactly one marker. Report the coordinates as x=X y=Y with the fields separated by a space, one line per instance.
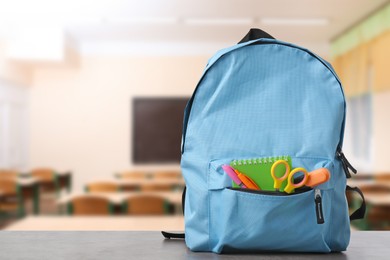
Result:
x=259 y=170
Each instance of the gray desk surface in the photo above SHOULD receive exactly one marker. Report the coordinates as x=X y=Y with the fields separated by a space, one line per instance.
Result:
x=151 y=245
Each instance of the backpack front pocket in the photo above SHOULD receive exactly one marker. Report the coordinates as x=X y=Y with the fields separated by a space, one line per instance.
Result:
x=243 y=219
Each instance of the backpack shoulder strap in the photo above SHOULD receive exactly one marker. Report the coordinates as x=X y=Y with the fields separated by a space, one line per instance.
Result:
x=170 y=235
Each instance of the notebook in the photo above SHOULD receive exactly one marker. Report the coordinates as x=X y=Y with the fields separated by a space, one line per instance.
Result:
x=259 y=170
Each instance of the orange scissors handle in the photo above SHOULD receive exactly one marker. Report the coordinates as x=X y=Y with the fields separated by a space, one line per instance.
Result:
x=279 y=180
x=290 y=181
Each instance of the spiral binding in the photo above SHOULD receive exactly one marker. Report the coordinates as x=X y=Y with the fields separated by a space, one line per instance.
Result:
x=262 y=160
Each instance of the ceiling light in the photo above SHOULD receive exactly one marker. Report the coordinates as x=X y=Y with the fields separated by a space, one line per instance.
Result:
x=219 y=21
x=295 y=21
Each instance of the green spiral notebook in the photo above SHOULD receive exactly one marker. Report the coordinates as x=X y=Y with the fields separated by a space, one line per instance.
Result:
x=259 y=170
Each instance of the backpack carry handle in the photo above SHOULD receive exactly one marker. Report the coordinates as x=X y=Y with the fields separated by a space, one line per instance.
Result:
x=254 y=34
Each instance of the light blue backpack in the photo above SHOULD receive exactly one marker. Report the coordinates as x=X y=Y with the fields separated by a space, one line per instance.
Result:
x=265 y=98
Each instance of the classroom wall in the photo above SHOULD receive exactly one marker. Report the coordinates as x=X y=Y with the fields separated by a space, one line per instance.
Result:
x=12 y=71
x=381 y=130
x=378 y=159
x=13 y=125
x=80 y=116
x=14 y=79
x=364 y=70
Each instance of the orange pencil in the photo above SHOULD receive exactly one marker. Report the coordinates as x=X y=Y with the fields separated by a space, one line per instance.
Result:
x=248 y=182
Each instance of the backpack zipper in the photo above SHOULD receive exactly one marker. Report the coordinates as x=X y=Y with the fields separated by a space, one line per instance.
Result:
x=317 y=198
x=271 y=193
x=346 y=164
x=318 y=202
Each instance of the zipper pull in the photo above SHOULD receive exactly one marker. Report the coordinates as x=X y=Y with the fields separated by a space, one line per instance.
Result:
x=318 y=201
x=346 y=165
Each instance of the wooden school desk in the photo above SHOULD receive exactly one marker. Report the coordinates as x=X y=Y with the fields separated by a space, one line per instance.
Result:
x=137 y=183
x=65 y=180
x=151 y=245
x=30 y=187
x=116 y=198
x=30 y=190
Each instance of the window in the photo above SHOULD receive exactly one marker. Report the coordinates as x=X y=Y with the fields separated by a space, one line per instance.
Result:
x=359 y=126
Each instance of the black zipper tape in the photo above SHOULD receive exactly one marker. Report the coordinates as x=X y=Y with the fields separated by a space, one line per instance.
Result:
x=317 y=198
x=272 y=193
x=346 y=164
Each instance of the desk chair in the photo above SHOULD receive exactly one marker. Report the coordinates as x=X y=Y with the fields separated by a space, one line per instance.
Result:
x=378 y=217
x=102 y=187
x=383 y=177
x=47 y=179
x=12 y=200
x=8 y=174
x=375 y=188
x=87 y=205
x=146 y=205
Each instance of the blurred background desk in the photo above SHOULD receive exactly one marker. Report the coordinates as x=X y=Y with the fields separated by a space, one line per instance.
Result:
x=149 y=184
x=151 y=245
x=1 y=197
x=65 y=180
x=29 y=187
x=118 y=198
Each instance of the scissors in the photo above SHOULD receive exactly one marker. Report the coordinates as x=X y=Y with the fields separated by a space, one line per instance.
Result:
x=289 y=175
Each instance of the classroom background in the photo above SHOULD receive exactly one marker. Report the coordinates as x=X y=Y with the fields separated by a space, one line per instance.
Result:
x=92 y=95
